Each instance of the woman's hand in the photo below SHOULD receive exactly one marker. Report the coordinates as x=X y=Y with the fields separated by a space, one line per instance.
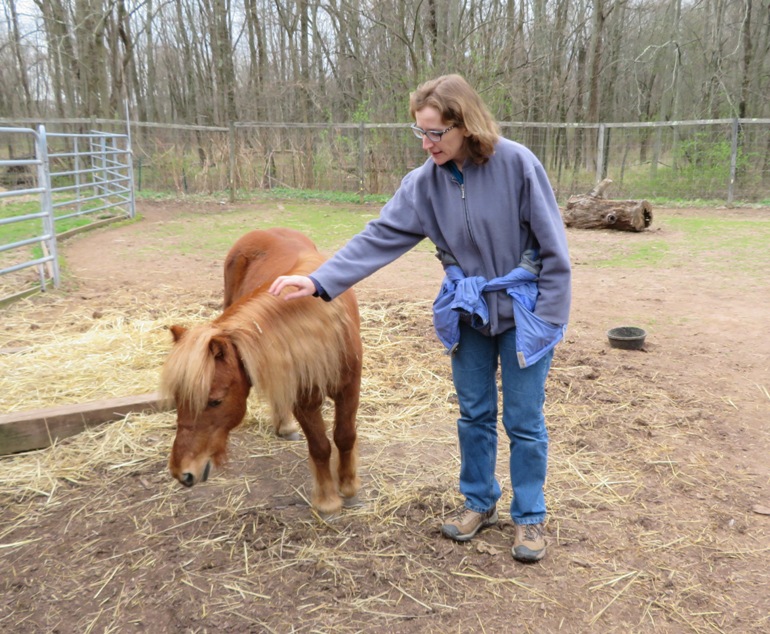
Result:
x=304 y=285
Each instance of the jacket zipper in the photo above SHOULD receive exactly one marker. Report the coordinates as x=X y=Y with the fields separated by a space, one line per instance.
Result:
x=466 y=214
x=461 y=184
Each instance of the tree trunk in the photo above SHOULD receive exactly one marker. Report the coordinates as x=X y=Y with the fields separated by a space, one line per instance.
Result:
x=62 y=61
x=26 y=100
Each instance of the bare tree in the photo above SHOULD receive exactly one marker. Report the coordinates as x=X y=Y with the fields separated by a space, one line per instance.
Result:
x=258 y=60
x=20 y=67
x=62 y=62
x=214 y=61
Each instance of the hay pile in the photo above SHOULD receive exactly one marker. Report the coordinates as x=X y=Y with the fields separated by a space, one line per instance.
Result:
x=98 y=538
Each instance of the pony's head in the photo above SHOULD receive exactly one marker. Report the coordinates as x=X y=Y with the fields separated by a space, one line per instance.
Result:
x=206 y=378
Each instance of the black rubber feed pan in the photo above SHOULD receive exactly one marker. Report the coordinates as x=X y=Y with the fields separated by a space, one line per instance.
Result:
x=626 y=337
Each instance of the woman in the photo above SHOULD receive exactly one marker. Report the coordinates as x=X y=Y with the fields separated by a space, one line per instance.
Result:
x=487 y=205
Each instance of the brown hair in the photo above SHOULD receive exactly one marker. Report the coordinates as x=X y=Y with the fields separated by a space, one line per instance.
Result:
x=459 y=104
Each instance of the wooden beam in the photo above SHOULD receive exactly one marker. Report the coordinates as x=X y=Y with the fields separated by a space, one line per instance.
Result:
x=40 y=428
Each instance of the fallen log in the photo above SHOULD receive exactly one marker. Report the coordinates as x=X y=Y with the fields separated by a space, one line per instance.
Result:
x=594 y=211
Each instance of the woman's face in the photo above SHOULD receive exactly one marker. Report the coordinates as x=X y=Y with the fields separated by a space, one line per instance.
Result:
x=451 y=147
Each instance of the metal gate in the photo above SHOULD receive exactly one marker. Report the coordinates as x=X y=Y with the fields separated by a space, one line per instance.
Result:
x=63 y=183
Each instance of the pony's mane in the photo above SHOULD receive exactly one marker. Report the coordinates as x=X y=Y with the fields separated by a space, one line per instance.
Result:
x=189 y=369
x=287 y=348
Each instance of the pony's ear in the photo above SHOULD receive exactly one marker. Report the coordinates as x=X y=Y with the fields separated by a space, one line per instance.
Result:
x=177 y=332
x=218 y=347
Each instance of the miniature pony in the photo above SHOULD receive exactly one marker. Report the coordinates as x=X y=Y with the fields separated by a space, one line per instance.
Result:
x=294 y=354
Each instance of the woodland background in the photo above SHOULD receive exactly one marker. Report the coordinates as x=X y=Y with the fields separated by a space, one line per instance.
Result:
x=211 y=62
x=668 y=98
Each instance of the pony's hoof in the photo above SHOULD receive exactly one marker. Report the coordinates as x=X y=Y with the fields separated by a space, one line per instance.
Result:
x=353 y=502
x=329 y=517
x=294 y=435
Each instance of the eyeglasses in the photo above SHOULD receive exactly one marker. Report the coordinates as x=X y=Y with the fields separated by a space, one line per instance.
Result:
x=433 y=135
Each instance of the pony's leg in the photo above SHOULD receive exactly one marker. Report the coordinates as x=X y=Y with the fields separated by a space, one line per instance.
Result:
x=345 y=438
x=324 y=498
x=284 y=424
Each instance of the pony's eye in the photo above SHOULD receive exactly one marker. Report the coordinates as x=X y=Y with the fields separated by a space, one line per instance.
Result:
x=215 y=402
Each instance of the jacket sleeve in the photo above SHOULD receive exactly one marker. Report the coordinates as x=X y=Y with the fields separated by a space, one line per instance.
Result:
x=393 y=233
x=541 y=211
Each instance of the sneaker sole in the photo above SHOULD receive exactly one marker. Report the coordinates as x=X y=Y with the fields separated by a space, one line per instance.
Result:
x=527 y=556
x=445 y=531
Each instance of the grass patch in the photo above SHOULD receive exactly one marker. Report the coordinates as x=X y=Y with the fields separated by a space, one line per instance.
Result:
x=331 y=218
x=330 y=196
x=330 y=226
x=724 y=243
x=25 y=229
x=678 y=203
x=638 y=256
x=278 y=193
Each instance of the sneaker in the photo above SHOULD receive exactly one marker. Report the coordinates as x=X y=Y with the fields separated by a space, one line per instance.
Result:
x=528 y=542
x=467 y=523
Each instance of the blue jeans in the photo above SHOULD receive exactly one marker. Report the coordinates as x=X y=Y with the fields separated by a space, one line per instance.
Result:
x=474 y=370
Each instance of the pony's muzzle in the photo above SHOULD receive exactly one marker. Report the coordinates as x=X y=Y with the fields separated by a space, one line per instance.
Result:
x=188 y=478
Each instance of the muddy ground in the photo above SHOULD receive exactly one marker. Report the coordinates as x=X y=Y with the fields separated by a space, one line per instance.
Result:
x=658 y=486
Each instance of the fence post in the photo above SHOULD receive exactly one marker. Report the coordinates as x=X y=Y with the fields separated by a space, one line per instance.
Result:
x=78 y=168
x=101 y=177
x=600 y=154
x=656 y=149
x=733 y=162
x=46 y=204
x=130 y=163
x=361 y=161
x=231 y=143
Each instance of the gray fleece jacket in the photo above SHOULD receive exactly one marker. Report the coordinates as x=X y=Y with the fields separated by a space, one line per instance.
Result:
x=501 y=209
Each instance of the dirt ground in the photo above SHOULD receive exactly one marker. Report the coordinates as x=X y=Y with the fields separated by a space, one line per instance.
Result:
x=659 y=481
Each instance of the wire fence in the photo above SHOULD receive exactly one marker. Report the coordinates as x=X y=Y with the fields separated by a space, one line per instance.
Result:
x=724 y=160
x=52 y=183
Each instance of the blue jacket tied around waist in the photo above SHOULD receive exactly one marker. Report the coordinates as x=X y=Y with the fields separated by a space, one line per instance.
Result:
x=460 y=295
